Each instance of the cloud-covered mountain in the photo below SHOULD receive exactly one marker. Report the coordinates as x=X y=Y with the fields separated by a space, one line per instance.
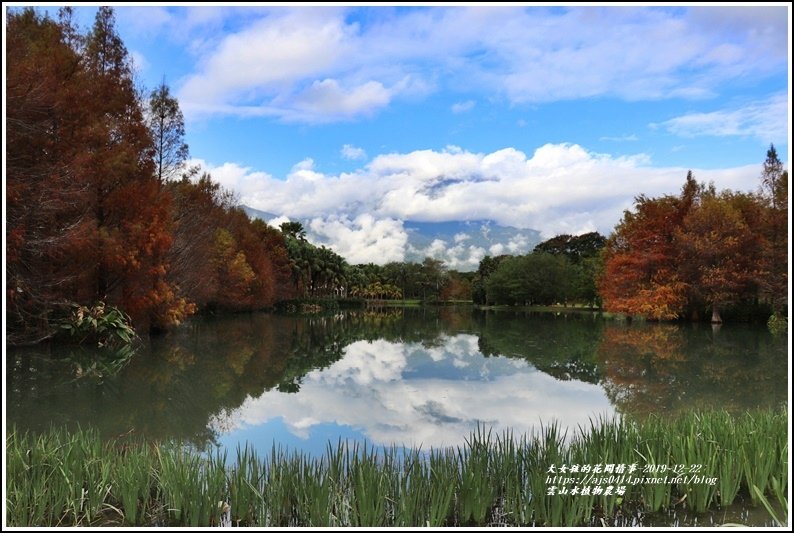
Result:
x=404 y=206
x=460 y=244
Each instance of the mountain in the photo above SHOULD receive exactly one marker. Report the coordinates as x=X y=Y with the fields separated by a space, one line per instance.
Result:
x=256 y=213
x=460 y=244
x=426 y=238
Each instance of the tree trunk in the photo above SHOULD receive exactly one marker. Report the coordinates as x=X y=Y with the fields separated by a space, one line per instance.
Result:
x=715 y=314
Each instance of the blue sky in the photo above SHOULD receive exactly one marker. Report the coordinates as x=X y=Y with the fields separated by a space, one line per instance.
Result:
x=551 y=118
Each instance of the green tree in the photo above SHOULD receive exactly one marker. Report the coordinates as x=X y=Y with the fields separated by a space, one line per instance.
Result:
x=433 y=277
x=533 y=279
x=293 y=229
x=505 y=285
x=583 y=251
x=585 y=288
x=575 y=248
x=487 y=266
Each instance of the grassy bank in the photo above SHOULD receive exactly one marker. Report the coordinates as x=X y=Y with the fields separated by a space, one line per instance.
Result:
x=63 y=478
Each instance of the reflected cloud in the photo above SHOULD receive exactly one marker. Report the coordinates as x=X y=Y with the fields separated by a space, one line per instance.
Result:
x=404 y=394
x=365 y=363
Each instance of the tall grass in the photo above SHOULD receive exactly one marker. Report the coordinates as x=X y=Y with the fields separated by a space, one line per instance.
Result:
x=63 y=478
x=244 y=483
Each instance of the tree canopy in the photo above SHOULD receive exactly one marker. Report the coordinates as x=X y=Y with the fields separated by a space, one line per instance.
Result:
x=702 y=250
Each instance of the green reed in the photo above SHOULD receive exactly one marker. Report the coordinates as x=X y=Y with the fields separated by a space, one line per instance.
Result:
x=410 y=490
x=697 y=447
x=192 y=486
x=476 y=489
x=443 y=473
x=314 y=497
x=76 y=478
x=761 y=456
x=369 y=488
x=244 y=486
x=280 y=496
x=721 y=428
x=654 y=448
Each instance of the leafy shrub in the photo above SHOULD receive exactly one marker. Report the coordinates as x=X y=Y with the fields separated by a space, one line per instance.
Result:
x=105 y=325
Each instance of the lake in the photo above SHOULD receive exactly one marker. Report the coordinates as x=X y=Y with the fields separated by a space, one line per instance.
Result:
x=407 y=376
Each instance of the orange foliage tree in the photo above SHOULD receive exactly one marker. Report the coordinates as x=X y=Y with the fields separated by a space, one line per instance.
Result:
x=640 y=275
x=718 y=252
x=220 y=259
x=46 y=223
x=700 y=250
x=91 y=217
x=87 y=219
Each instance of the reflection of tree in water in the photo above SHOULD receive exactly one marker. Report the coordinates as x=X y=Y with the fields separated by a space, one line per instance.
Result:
x=652 y=368
x=178 y=383
x=560 y=344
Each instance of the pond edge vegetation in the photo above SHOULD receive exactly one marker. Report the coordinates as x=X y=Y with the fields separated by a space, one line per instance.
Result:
x=69 y=478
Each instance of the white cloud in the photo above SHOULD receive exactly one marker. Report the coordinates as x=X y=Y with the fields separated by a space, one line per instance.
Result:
x=328 y=100
x=462 y=107
x=320 y=64
x=517 y=244
x=561 y=188
x=767 y=120
x=278 y=221
x=353 y=152
x=457 y=257
x=365 y=363
x=363 y=239
x=620 y=138
x=242 y=181
x=260 y=65
x=304 y=165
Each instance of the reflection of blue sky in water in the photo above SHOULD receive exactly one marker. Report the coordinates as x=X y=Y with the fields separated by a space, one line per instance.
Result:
x=393 y=393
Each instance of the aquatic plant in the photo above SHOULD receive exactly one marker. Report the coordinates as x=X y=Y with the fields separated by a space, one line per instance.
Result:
x=105 y=325
x=77 y=478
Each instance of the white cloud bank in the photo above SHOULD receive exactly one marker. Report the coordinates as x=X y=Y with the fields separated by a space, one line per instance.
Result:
x=561 y=188
x=318 y=64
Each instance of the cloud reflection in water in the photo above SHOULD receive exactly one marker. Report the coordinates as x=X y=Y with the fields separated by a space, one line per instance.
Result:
x=408 y=394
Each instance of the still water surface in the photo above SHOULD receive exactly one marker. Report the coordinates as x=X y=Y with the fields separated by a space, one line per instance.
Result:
x=420 y=377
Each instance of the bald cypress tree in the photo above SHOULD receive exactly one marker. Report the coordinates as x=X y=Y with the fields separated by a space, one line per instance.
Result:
x=167 y=127
x=773 y=278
